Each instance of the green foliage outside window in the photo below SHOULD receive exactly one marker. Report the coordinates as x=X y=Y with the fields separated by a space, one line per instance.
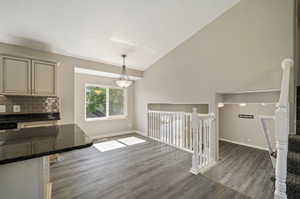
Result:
x=96 y=102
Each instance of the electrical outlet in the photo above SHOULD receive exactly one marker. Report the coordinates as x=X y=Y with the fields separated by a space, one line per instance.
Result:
x=130 y=125
x=2 y=108
x=17 y=108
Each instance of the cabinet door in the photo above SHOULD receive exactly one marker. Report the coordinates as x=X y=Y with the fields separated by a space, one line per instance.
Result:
x=43 y=78
x=15 y=76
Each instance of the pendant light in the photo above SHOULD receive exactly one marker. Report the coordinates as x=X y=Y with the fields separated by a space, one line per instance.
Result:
x=124 y=81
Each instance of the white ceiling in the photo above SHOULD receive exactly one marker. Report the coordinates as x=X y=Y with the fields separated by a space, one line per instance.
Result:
x=101 y=30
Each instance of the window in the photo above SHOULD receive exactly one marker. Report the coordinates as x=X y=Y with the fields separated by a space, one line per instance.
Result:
x=104 y=102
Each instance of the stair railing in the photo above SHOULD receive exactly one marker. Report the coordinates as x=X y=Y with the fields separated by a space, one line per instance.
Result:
x=173 y=128
x=266 y=132
x=281 y=119
x=202 y=141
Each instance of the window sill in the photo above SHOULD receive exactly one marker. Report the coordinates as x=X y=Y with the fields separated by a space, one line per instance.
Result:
x=106 y=118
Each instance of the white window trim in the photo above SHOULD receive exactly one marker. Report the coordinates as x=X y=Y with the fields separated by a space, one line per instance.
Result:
x=115 y=117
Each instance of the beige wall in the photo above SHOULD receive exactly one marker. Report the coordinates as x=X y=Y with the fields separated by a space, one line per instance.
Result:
x=240 y=50
x=66 y=74
x=99 y=128
x=245 y=131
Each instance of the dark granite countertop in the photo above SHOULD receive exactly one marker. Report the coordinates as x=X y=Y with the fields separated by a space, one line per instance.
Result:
x=28 y=143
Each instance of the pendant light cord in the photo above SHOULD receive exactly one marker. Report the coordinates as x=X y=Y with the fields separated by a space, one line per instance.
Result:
x=123 y=74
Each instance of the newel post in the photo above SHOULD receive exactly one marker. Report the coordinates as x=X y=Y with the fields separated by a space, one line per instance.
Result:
x=212 y=138
x=281 y=133
x=195 y=131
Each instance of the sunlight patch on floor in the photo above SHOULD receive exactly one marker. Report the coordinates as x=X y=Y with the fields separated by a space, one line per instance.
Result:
x=131 y=140
x=119 y=143
x=109 y=145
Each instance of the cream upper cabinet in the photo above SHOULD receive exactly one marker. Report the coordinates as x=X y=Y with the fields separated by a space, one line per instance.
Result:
x=15 y=75
x=43 y=78
x=22 y=76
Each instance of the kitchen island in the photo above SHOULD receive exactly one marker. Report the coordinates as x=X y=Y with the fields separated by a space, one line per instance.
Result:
x=24 y=162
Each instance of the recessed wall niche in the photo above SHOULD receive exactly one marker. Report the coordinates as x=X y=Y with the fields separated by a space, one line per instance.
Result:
x=201 y=108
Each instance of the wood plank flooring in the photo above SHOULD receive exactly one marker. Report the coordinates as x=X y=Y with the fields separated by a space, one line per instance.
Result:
x=244 y=169
x=150 y=170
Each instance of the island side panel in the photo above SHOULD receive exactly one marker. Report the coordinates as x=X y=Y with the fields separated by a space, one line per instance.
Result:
x=25 y=179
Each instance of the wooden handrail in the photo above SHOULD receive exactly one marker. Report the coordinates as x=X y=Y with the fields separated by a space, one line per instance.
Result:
x=286 y=65
x=266 y=132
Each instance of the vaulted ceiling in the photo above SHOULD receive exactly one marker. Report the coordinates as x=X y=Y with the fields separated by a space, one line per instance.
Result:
x=101 y=30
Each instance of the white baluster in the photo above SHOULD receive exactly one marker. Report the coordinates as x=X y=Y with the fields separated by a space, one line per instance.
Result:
x=190 y=132
x=164 y=126
x=204 y=142
x=155 y=125
x=201 y=142
x=207 y=141
x=151 y=118
x=167 y=128
x=159 y=126
x=176 y=138
x=185 y=132
x=211 y=143
x=195 y=128
x=152 y=123
x=148 y=124
x=170 y=127
x=182 y=129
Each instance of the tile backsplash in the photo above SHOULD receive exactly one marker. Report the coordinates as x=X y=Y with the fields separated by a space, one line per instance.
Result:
x=30 y=104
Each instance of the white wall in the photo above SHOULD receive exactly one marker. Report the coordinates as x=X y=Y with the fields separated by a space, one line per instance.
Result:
x=99 y=128
x=66 y=75
x=240 y=50
x=244 y=131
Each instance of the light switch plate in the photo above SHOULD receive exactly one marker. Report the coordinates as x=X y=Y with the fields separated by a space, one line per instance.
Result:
x=17 y=108
x=2 y=108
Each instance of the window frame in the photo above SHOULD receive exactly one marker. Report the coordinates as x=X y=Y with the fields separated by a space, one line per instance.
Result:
x=107 y=117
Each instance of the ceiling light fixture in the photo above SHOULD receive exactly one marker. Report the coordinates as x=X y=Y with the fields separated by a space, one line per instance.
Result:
x=242 y=104
x=98 y=91
x=121 y=41
x=220 y=105
x=124 y=81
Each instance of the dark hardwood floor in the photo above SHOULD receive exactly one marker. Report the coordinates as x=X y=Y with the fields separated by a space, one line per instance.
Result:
x=145 y=171
x=244 y=169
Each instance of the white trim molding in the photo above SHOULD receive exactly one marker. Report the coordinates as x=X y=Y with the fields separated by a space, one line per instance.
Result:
x=243 y=144
x=102 y=73
x=109 y=135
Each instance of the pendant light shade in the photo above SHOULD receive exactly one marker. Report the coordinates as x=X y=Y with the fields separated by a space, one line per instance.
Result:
x=124 y=81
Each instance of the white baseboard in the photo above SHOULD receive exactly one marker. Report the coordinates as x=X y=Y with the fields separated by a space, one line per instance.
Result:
x=108 y=135
x=207 y=167
x=140 y=133
x=243 y=144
